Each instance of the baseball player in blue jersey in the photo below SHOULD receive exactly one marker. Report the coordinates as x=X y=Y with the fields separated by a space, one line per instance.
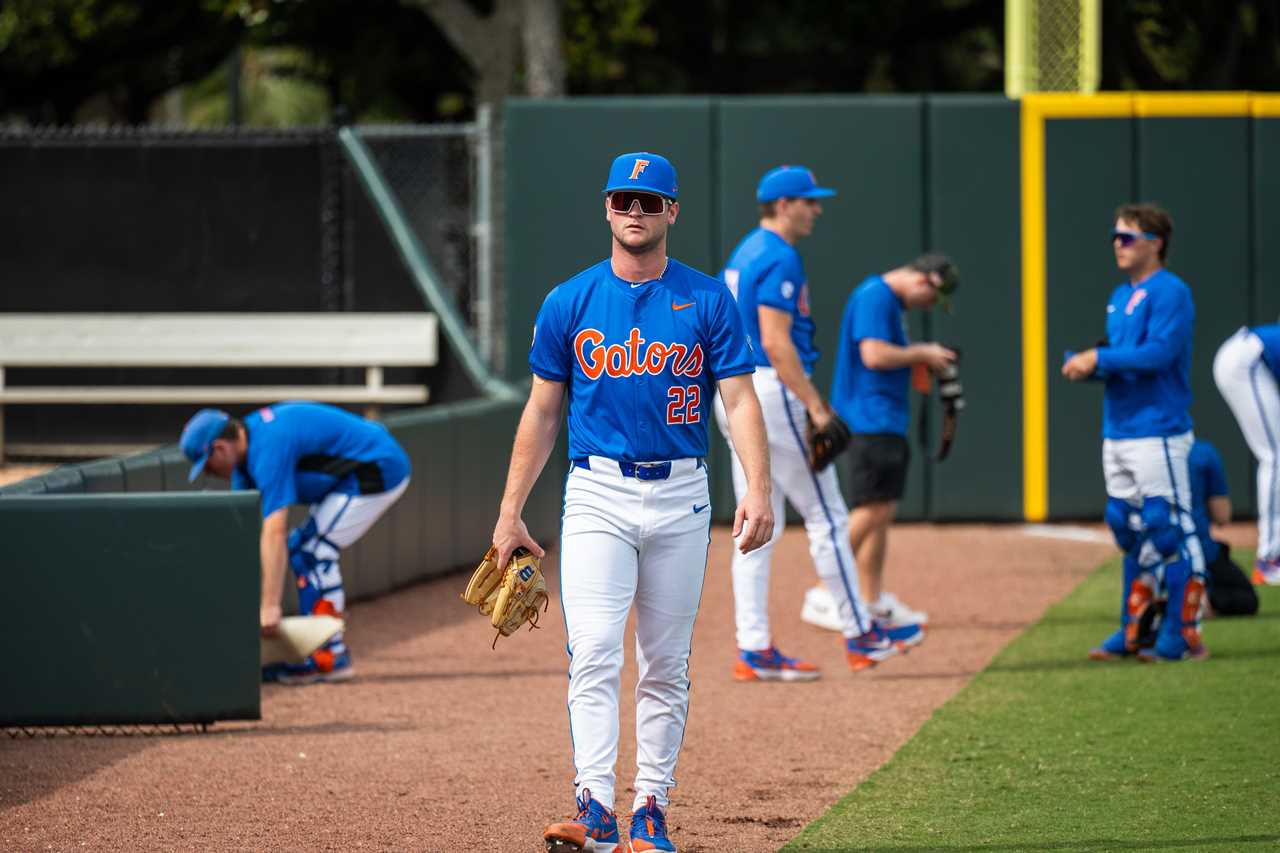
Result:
x=1246 y=370
x=638 y=344
x=766 y=276
x=871 y=390
x=348 y=469
x=1145 y=362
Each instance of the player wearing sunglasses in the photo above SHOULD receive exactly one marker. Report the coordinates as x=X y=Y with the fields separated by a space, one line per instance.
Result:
x=636 y=344
x=1145 y=362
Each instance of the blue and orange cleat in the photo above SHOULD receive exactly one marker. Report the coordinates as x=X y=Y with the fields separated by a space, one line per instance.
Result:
x=649 y=829
x=323 y=666
x=772 y=665
x=867 y=650
x=1266 y=572
x=1112 y=648
x=904 y=636
x=594 y=830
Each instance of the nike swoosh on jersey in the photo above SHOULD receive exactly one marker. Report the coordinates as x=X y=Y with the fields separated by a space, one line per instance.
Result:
x=697 y=508
x=678 y=306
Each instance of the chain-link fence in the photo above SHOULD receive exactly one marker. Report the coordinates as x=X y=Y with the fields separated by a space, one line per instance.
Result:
x=104 y=219
x=439 y=174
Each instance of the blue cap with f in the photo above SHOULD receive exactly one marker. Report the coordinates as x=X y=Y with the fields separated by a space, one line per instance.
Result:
x=644 y=172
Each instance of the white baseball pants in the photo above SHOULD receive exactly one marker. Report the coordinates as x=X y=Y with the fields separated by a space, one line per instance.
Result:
x=818 y=500
x=626 y=542
x=336 y=522
x=1155 y=467
x=1249 y=388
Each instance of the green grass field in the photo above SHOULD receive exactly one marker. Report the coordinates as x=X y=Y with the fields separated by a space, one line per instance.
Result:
x=1046 y=750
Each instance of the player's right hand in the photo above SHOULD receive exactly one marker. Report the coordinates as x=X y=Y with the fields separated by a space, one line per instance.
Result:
x=753 y=522
x=509 y=534
x=938 y=357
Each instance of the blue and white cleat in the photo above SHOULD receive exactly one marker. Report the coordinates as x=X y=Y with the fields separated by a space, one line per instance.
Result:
x=869 y=649
x=649 y=829
x=594 y=830
x=906 y=636
x=772 y=665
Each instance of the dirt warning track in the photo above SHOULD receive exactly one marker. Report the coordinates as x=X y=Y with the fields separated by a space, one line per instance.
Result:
x=440 y=744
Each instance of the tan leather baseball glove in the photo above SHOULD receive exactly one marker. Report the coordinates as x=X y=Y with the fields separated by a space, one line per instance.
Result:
x=510 y=595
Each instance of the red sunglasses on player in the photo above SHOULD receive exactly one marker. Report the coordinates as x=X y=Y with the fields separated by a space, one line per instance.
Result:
x=651 y=204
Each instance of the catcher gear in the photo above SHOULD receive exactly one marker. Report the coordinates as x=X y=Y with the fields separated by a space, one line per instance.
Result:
x=510 y=596
x=827 y=443
x=950 y=394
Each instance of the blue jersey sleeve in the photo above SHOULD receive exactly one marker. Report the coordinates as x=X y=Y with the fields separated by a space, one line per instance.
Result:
x=1168 y=328
x=549 y=355
x=729 y=351
x=274 y=475
x=779 y=287
x=875 y=313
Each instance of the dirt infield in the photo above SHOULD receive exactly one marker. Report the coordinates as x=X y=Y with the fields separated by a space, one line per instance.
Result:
x=442 y=745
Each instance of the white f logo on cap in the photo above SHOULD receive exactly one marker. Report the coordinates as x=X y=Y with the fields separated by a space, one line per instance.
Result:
x=638 y=168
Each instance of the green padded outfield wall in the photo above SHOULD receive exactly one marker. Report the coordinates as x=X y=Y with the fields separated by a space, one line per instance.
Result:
x=143 y=608
x=972 y=212
x=875 y=223
x=1265 y=306
x=1088 y=172
x=1198 y=169
x=891 y=171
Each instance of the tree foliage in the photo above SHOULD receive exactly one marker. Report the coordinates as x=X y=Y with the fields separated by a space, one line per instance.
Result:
x=56 y=56
x=390 y=60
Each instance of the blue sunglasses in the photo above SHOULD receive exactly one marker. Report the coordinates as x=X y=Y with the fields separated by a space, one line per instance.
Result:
x=1128 y=238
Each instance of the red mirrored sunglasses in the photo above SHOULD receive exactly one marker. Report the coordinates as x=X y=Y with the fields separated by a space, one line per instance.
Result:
x=650 y=204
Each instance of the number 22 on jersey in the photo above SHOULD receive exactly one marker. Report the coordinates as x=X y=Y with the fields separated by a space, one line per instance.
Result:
x=684 y=405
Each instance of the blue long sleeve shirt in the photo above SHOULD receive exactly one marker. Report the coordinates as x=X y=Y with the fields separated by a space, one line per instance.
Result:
x=1147 y=362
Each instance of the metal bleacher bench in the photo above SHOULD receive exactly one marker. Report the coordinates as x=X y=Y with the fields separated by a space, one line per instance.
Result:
x=372 y=341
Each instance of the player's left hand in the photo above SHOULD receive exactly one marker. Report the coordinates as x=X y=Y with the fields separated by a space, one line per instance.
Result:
x=753 y=521
x=1081 y=365
x=269 y=619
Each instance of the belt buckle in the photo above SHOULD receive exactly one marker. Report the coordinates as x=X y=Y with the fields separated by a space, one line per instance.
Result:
x=653 y=470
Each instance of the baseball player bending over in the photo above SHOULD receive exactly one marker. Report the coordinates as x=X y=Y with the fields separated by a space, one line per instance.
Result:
x=1246 y=370
x=1145 y=361
x=348 y=469
x=638 y=343
x=871 y=391
x=766 y=276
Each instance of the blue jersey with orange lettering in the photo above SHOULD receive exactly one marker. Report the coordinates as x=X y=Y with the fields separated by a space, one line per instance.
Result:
x=766 y=270
x=299 y=452
x=1147 y=360
x=1270 y=337
x=639 y=360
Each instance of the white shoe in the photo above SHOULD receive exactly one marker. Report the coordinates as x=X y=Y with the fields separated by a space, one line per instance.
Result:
x=894 y=614
x=820 y=609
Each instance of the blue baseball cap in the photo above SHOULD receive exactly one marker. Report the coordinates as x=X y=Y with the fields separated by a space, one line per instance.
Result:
x=198 y=435
x=645 y=172
x=790 y=182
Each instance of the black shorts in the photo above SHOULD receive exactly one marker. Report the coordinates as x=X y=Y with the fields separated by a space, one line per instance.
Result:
x=879 y=467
